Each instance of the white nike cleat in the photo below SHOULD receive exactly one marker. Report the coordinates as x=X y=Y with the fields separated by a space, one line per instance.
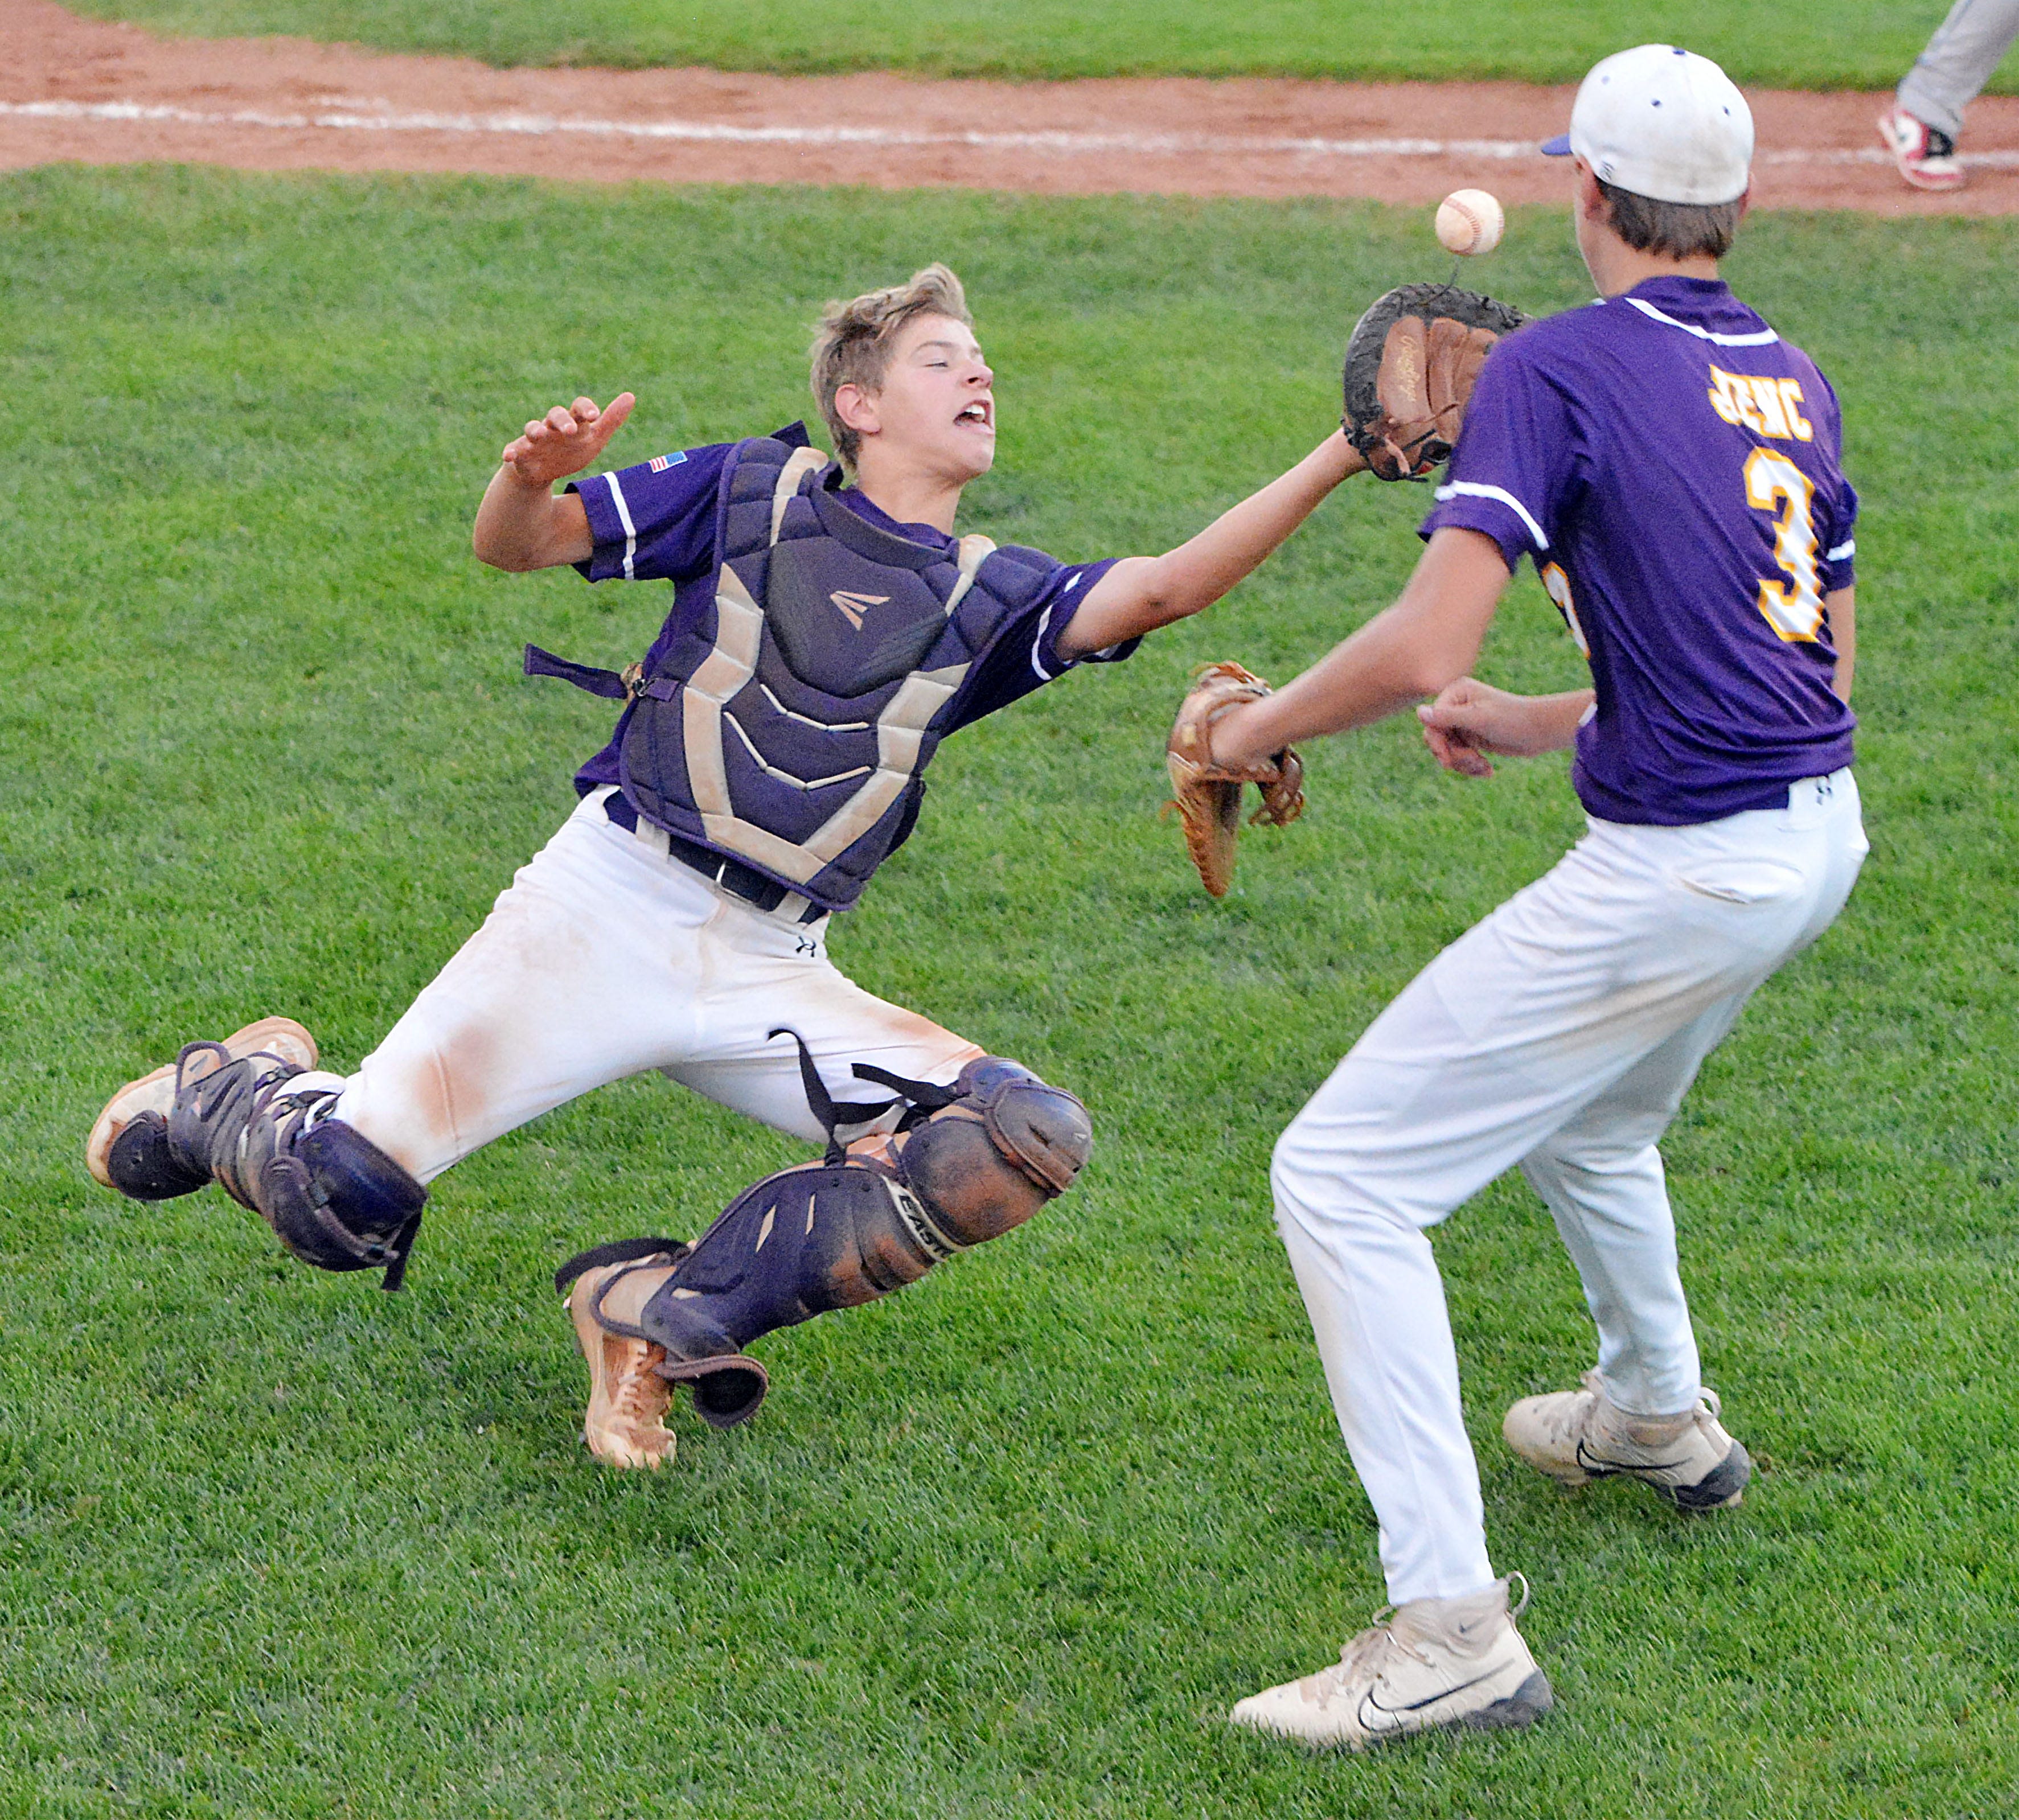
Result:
x=1577 y=1436
x=155 y=1093
x=627 y=1400
x=1434 y=1665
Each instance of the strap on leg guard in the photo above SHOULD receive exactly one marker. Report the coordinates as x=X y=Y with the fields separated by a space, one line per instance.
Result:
x=727 y=1387
x=332 y=1197
x=1043 y=1131
x=980 y=1158
x=337 y=1201
x=620 y=1251
x=833 y=1113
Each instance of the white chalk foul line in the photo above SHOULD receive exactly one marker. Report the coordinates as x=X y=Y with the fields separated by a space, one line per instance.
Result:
x=701 y=131
x=538 y=126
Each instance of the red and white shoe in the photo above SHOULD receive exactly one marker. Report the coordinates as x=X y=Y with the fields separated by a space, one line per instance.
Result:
x=1925 y=154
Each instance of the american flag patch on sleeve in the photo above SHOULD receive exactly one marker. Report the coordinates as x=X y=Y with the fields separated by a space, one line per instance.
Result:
x=658 y=464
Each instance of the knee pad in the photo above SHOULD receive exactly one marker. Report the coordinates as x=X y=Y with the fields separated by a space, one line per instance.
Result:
x=259 y=1128
x=1005 y=1145
x=977 y=1158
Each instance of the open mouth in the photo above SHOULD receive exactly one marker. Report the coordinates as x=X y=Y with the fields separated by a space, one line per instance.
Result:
x=979 y=415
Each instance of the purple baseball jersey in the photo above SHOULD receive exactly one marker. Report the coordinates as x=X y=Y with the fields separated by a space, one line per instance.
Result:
x=656 y=521
x=1670 y=464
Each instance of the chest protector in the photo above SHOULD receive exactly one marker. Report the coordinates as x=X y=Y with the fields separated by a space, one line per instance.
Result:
x=790 y=726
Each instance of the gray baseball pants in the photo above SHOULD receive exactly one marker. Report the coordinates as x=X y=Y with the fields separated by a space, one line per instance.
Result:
x=1961 y=57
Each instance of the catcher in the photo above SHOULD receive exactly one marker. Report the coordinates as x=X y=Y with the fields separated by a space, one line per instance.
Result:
x=828 y=631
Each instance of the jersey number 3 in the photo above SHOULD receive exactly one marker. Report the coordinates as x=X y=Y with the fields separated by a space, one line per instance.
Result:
x=1794 y=608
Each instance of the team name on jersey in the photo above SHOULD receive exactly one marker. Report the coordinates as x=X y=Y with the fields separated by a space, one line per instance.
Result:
x=1767 y=406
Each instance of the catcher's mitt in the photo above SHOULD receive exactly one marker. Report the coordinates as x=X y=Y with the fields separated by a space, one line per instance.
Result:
x=1207 y=795
x=1410 y=365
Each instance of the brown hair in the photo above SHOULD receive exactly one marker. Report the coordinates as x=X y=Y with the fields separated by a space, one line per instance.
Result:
x=1677 y=231
x=852 y=340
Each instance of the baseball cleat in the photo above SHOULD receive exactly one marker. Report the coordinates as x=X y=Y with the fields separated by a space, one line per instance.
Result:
x=1577 y=1436
x=154 y=1094
x=624 y=1424
x=1924 y=155
x=1432 y=1665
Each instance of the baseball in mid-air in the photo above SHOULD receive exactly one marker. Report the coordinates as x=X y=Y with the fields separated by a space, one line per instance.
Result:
x=1470 y=221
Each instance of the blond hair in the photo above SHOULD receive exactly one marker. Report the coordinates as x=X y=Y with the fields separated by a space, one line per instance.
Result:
x=852 y=341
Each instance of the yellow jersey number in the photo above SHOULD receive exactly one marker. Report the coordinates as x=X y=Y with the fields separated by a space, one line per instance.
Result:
x=1794 y=608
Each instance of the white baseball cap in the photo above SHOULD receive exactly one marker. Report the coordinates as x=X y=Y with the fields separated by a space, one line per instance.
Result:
x=1663 y=123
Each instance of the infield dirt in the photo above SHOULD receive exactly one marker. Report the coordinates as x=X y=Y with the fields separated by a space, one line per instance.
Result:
x=78 y=90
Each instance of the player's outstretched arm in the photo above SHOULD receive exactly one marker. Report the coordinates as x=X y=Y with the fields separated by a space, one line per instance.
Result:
x=1425 y=642
x=521 y=524
x=1140 y=593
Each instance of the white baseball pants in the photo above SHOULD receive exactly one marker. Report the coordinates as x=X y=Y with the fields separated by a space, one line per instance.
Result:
x=1559 y=1034
x=1962 y=56
x=603 y=959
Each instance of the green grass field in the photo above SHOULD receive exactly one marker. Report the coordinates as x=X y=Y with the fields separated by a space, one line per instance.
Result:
x=1008 y=1544
x=1777 y=43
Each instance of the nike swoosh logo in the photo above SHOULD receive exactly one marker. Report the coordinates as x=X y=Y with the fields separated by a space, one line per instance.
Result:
x=1593 y=1464
x=1392 y=1716
x=855 y=606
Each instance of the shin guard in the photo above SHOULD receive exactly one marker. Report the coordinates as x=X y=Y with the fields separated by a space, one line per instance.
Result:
x=981 y=1158
x=259 y=1128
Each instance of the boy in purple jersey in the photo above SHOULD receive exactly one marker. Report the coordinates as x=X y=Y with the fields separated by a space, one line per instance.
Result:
x=1670 y=466
x=828 y=630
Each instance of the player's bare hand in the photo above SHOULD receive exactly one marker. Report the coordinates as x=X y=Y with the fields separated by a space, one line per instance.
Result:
x=566 y=440
x=1452 y=748
x=1467 y=721
x=1471 y=719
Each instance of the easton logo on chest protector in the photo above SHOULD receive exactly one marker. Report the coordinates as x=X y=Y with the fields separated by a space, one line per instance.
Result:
x=854 y=606
x=792 y=726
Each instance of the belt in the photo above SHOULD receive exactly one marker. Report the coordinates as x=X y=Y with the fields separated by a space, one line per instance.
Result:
x=736 y=879
x=739 y=880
